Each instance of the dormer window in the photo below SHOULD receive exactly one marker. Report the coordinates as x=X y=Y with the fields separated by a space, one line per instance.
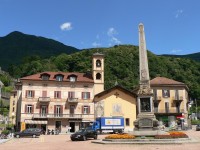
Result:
x=59 y=78
x=45 y=76
x=72 y=79
x=98 y=63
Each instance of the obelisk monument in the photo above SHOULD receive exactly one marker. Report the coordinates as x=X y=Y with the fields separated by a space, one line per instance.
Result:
x=146 y=120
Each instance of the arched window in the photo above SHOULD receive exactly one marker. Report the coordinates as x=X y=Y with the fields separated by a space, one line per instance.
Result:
x=98 y=63
x=98 y=76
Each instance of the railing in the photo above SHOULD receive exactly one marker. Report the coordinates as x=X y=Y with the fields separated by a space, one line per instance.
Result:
x=158 y=98
x=39 y=115
x=72 y=100
x=44 y=99
x=77 y=116
x=177 y=98
x=168 y=111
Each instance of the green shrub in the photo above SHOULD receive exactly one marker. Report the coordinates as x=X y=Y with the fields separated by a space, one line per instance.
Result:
x=6 y=132
x=195 y=122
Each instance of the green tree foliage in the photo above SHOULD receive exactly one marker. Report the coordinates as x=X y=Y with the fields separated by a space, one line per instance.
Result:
x=121 y=65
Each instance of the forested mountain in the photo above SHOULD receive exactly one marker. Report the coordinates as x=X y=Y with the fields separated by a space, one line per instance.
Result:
x=16 y=45
x=121 y=65
x=194 y=56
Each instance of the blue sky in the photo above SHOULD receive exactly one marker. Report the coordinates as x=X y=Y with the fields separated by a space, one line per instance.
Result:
x=171 y=26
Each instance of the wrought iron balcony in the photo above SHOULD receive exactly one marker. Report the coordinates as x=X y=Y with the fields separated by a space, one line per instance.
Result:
x=157 y=99
x=167 y=111
x=39 y=115
x=44 y=99
x=177 y=98
x=72 y=100
x=72 y=116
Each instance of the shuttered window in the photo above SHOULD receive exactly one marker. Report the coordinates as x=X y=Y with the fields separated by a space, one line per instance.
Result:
x=85 y=95
x=30 y=94
x=57 y=94
x=85 y=109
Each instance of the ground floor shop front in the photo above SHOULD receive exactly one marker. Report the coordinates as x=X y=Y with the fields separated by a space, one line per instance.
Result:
x=174 y=121
x=61 y=125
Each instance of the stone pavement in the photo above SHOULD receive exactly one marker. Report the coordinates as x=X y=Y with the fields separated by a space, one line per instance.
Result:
x=62 y=142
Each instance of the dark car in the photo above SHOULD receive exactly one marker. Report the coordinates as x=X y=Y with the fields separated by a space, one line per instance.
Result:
x=31 y=132
x=84 y=134
x=198 y=127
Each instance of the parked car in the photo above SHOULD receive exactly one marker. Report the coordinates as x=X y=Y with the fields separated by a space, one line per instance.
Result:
x=31 y=132
x=198 y=127
x=84 y=134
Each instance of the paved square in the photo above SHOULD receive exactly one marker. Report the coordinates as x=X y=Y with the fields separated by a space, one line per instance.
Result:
x=63 y=142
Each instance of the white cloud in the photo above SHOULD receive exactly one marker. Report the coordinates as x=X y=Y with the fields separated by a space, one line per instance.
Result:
x=111 y=32
x=175 y=51
x=178 y=13
x=66 y=26
x=95 y=44
x=112 y=35
x=115 y=40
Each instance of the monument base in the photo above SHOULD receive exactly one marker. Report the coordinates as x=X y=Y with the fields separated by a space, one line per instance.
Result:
x=146 y=122
x=148 y=133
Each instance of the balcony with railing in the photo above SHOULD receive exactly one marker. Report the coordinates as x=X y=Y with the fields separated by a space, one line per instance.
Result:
x=157 y=99
x=168 y=111
x=72 y=100
x=68 y=116
x=44 y=99
x=40 y=116
x=177 y=98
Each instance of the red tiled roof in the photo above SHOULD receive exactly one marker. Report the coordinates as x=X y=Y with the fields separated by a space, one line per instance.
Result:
x=164 y=81
x=81 y=77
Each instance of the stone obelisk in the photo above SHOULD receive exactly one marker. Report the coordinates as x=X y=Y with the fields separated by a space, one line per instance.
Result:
x=146 y=120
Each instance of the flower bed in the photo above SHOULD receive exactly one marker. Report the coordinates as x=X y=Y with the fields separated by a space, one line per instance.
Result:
x=120 y=136
x=178 y=134
x=172 y=134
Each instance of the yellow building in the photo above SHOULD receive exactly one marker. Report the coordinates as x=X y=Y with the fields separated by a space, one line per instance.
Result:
x=170 y=99
x=13 y=107
x=114 y=102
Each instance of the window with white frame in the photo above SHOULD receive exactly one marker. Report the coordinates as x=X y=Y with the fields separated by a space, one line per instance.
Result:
x=85 y=95
x=30 y=94
x=29 y=109
x=72 y=79
x=59 y=78
x=86 y=109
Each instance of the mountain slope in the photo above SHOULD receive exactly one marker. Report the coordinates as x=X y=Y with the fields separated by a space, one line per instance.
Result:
x=121 y=65
x=16 y=45
x=194 y=56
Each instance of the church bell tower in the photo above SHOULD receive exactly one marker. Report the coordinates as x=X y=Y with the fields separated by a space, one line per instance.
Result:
x=98 y=72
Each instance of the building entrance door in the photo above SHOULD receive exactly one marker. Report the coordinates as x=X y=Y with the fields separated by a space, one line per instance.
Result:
x=72 y=125
x=58 y=126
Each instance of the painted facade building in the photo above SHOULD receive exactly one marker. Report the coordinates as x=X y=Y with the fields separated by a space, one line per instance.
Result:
x=170 y=99
x=60 y=100
x=117 y=102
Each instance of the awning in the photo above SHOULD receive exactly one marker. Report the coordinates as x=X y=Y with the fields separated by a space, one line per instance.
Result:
x=180 y=116
x=35 y=122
